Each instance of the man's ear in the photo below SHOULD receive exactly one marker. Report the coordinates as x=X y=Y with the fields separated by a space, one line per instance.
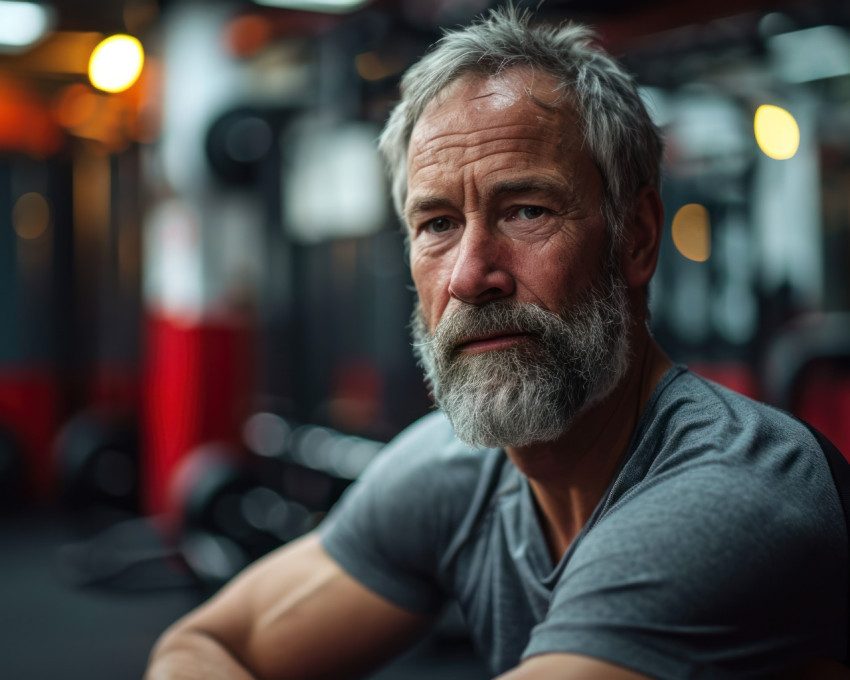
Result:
x=642 y=238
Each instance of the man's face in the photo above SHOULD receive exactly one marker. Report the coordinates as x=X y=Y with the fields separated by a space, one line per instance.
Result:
x=510 y=257
x=503 y=202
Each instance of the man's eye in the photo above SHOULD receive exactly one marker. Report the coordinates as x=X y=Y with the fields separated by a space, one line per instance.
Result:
x=438 y=225
x=530 y=212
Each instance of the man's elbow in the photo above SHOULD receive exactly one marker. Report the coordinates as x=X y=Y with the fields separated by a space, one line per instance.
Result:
x=187 y=653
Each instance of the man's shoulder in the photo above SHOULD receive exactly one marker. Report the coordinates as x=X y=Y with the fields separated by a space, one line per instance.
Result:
x=696 y=408
x=428 y=457
x=394 y=525
x=710 y=519
x=699 y=433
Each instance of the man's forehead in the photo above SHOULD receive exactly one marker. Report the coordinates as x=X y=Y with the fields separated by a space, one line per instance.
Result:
x=484 y=113
x=518 y=95
x=499 y=91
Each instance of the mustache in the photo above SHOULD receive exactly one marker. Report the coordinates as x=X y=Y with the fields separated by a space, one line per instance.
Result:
x=473 y=321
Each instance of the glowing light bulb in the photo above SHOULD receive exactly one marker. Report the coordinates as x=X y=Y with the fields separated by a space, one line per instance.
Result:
x=692 y=232
x=777 y=133
x=116 y=63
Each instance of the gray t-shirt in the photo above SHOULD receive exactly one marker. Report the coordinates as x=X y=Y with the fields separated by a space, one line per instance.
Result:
x=718 y=550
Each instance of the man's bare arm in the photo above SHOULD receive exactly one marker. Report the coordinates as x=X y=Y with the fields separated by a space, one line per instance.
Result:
x=294 y=614
x=569 y=667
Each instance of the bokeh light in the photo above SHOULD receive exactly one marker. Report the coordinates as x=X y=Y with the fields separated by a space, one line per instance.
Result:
x=777 y=133
x=372 y=66
x=116 y=63
x=23 y=23
x=31 y=216
x=247 y=35
x=75 y=105
x=692 y=232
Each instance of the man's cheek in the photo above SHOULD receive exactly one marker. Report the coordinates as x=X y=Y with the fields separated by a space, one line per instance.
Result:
x=430 y=318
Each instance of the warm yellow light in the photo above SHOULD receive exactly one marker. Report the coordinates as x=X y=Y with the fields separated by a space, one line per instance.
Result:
x=692 y=232
x=777 y=133
x=75 y=105
x=31 y=216
x=371 y=66
x=116 y=63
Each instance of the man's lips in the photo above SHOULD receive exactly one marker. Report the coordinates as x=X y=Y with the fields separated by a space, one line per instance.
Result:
x=491 y=341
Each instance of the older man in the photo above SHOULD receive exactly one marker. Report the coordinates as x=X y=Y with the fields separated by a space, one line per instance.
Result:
x=596 y=511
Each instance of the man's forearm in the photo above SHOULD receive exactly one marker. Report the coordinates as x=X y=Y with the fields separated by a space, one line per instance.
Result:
x=193 y=656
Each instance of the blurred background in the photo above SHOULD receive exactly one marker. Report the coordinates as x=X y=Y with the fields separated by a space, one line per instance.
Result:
x=204 y=295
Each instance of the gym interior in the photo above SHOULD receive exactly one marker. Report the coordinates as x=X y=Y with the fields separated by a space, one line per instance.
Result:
x=205 y=296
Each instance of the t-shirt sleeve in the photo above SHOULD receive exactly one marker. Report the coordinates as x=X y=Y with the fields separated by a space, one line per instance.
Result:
x=390 y=527
x=683 y=578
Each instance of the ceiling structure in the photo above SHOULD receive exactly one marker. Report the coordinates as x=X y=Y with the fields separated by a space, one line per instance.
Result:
x=664 y=42
x=622 y=20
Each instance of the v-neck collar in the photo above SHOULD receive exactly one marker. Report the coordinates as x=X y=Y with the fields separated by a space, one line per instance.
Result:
x=539 y=558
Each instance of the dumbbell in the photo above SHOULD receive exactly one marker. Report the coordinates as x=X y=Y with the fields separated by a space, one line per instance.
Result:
x=97 y=456
x=312 y=464
x=226 y=516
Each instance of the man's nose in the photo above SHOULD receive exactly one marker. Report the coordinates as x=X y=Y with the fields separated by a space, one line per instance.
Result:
x=480 y=271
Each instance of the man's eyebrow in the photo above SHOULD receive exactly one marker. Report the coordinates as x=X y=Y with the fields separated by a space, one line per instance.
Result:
x=508 y=187
x=427 y=204
x=528 y=186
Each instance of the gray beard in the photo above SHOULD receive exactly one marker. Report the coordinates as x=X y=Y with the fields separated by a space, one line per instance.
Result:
x=530 y=392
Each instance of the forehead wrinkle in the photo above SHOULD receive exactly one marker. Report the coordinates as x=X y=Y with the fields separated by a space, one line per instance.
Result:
x=504 y=95
x=431 y=136
x=431 y=152
x=469 y=139
x=535 y=125
x=453 y=134
x=472 y=142
x=461 y=165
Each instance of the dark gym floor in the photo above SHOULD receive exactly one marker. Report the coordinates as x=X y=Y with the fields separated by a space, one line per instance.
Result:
x=52 y=629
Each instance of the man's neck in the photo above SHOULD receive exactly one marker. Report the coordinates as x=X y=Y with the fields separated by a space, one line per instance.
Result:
x=569 y=475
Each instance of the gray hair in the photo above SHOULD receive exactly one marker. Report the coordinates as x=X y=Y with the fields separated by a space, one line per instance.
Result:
x=623 y=141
